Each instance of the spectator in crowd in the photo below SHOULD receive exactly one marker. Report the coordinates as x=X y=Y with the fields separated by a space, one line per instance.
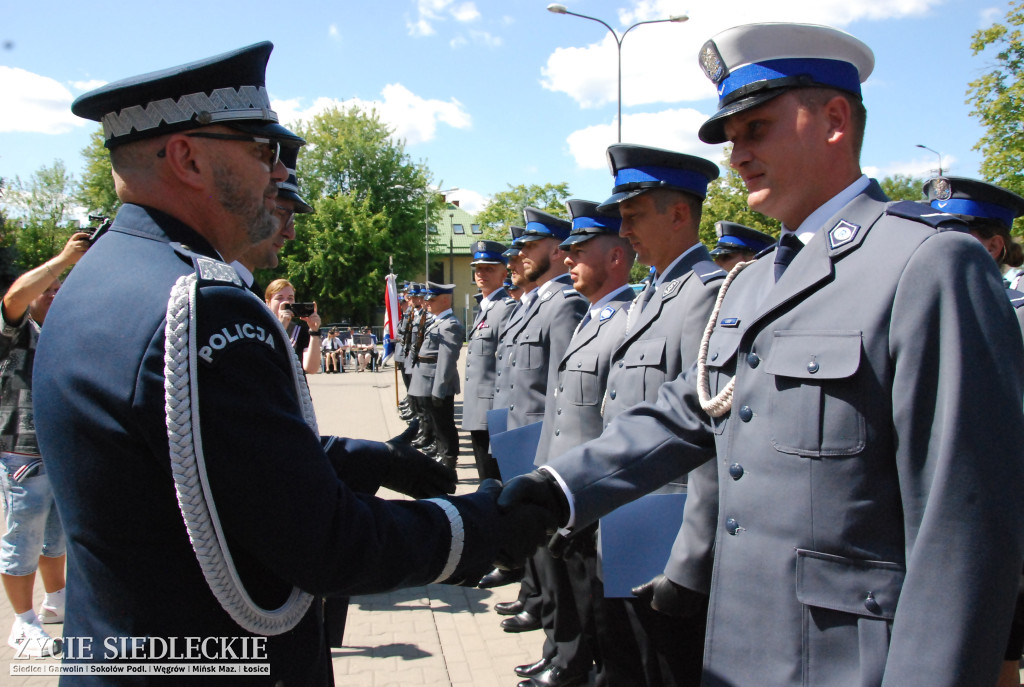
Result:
x=332 y=352
x=280 y=293
x=366 y=351
x=34 y=538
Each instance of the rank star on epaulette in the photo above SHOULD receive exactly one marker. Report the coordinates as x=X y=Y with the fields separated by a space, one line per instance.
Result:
x=842 y=233
x=606 y=313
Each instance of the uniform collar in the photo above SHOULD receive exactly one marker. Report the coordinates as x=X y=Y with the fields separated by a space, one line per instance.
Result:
x=596 y=308
x=816 y=219
x=661 y=277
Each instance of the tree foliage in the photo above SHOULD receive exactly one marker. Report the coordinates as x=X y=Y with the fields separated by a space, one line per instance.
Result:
x=998 y=100
x=371 y=201
x=505 y=209
x=40 y=211
x=96 y=188
x=903 y=187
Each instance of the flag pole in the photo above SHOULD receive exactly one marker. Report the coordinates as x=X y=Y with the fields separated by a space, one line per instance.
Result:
x=391 y=271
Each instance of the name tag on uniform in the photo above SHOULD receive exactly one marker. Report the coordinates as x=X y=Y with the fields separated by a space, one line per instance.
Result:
x=729 y=322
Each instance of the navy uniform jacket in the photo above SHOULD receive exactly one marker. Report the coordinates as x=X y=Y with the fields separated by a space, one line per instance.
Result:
x=403 y=325
x=417 y=320
x=481 y=360
x=288 y=518
x=436 y=372
x=573 y=412
x=870 y=524
x=533 y=339
x=661 y=343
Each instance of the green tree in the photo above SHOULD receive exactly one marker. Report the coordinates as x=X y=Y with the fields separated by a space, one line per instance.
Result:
x=505 y=209
x=96 y=188
x=727 y=200
x=998 y=100
x=41 y=209
x=902 y=187
x=370 y=199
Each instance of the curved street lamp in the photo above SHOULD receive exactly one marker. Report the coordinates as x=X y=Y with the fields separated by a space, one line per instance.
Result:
x=558 y=8
x=933 y=151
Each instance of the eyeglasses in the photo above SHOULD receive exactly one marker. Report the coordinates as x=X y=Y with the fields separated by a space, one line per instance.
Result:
x=283 y=212
x=272 y=152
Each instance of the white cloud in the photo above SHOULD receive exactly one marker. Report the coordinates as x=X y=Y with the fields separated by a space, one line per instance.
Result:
x=412 y=117
x=922 y=168
x=467 y=11
x=659 y=63
x=332 y=32
x=670 y=129
x=485 y=38
x=88 y=85
x=470 y=201
x=989 y=16
x=35 y=103
x=432 y=12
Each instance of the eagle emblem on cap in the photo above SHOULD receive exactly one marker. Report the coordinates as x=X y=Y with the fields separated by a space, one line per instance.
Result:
x=711 y=62
x=943 y=191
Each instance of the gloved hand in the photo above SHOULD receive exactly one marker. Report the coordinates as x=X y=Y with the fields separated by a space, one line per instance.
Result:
x=536 y=489
x=438 y=402
x=495 y=534
x=674 y=600
x=416 y=474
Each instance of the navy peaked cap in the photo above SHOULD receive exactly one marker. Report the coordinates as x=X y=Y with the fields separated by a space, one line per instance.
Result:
x=488 y=253
x=639 y=168
x=973 y=199
x=435 y=289
x=754 y=63
x=734 y=237
x=289 y=188
x=541 y=225
x=587 y=222
x=227 y=89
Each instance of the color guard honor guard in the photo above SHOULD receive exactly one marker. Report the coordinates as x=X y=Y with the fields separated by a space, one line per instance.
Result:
x=869 y=524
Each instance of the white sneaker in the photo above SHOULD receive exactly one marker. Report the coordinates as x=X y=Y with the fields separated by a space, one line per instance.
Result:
x=51 y=614
x=30 y=640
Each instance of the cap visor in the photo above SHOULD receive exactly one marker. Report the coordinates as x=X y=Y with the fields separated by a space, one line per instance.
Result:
x=610 y=207
x=576 y=238
x=259 y=127
x=713 y=130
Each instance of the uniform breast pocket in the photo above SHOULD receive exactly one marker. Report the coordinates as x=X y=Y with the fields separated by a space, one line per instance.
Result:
x=816 y=400
x=721 y=364
x=648 y=357
x=530 y=352
x=581 y=373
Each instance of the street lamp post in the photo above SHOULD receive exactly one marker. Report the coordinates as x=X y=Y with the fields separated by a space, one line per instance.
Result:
x=562 y=9
x=933 y=151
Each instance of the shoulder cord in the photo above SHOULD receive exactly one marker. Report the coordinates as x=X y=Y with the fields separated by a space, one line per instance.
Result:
x=722 y=403
x=188 y=465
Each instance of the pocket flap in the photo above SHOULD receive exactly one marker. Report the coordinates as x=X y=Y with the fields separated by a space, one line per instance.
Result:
x=722 y=346
x=581 y=362
x=645 y=352
x=866 y=588
x=814 y=355
x=529 y=336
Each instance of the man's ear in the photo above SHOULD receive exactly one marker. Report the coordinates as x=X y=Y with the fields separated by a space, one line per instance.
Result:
x=839 y=118
x=185 y=162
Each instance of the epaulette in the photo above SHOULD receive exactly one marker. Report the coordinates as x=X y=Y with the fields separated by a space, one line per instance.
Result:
x=708 y=271
x=209 y=269
x=926 y=214
x=566 y=293
x=1016 y=298
x=510 y=301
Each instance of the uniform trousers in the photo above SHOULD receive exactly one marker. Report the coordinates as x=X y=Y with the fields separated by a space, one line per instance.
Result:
x=442 y=417
x=566 y=611
x=486 y=465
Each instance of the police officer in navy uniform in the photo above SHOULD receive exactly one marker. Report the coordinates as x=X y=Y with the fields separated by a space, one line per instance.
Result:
x=185 y=517
x=489 y=269
x=737 y=243
x=435 y=379
x=870 y=524
x=599 y=261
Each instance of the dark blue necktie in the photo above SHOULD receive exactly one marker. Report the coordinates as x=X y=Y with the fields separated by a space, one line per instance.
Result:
x=789 y=246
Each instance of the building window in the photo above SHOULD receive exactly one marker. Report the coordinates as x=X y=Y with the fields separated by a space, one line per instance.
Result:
x=432 y=229
x=475 y=228
x=458 y=229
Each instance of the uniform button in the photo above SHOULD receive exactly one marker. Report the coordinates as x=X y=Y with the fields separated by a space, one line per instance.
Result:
x=732 y=527
x=871 y=604
x=736 y=471
x=499 y=373
x=512 y=407
x=612 y=394
x=753 y=360
x=500 y=356
x=560 y=388
x=813 y=366
x=579 y=365
x=621 y=363
x=714 y=356
x=557 y=432
x=559 y=411
x=642 y=356
x=746 y=413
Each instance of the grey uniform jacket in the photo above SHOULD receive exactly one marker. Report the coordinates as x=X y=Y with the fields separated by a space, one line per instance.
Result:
x=415 y=318
x=661 y=343
x=870 y=524
x=436 y=372
x=534 y=338
x=573 y=412
x=481 y=360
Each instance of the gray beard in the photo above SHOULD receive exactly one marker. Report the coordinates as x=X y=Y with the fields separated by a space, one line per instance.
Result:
x=260 y=222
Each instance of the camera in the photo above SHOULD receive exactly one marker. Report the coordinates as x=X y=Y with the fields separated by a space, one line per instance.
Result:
x=300 y=309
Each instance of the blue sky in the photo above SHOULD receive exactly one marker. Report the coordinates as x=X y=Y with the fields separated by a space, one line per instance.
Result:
x=490 y=93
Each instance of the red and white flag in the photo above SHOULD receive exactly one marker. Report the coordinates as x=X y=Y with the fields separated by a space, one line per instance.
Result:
x=391 y=312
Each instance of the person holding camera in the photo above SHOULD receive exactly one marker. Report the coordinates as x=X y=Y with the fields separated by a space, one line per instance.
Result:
x=299 y=322
x=34 y=538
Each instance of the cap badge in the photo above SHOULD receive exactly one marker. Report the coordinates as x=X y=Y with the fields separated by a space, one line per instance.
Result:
x=942 y=188
x=842 y=233
x=712 y=63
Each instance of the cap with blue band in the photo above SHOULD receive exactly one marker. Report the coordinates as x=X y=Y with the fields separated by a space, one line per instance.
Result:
x=588 y=222
x=974 y=199
x=488 y=253
x=542 y=225
x=638 y=169
x=733 y=237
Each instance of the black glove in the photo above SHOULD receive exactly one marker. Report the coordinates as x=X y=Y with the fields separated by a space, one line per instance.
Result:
x=537 y=489
x=674 y=600
x=438 y=402
x=493 y=534
x=416 y=474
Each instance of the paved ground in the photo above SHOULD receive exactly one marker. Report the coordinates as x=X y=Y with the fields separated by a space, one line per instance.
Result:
x=436 y=636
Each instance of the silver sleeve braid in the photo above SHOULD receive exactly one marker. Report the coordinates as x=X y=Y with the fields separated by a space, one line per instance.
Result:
x=188 y=465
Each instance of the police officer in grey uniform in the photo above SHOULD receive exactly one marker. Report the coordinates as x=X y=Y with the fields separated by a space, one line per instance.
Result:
x=417 y=329
x=870 y=525
x=737 y=243
x=489 y=269
x=659 y=195
x=435 y=379
x=599 y=261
